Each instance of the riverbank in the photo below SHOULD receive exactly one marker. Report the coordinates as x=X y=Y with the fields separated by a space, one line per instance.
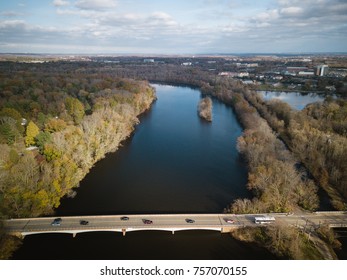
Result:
x=286 y=242
x=92 y=118
x=124 y=125
x=272 y=171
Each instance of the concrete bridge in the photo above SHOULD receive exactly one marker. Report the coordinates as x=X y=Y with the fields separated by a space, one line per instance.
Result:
x=166 y=222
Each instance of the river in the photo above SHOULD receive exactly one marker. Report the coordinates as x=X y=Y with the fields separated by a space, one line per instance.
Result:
x=173 y=163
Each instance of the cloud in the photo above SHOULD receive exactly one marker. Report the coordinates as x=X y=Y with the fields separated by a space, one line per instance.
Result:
x=10 y=25
x=232 y=28
x=303 y=17
x=85 y=25
x=267 y=16
x=312 y=8
x=292 y=11
x=290 y=25
x=161 y=19
x=138 y=25
x=59 y=3
x=10 y=14
x=95 y=4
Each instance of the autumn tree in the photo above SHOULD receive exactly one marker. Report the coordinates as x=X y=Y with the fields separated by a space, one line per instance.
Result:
x=205 y=108
x=75 y=109
x=31 y=132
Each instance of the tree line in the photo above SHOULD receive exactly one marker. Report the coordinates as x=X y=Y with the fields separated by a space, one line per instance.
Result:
x=316 y=136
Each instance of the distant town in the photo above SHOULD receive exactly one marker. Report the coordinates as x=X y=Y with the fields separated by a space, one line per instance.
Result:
x=324 y=73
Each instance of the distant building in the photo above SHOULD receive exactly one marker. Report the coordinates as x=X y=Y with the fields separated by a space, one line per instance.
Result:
x=24 y=122
x=306 y=73
x=248 y=82
x=260 y=77
x=331 y=88
x=186 y=63
x=322 y=70
x=294 y=70
x=278 y=77
x=228 y=74
x=234 y=74
x=148 y=60
x=243 y=74
x=246 y=65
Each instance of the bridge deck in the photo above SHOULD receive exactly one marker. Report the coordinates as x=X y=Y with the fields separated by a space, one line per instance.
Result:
x=166 y=222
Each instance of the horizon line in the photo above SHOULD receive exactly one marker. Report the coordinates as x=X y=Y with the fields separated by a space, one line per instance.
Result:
x=173 y=54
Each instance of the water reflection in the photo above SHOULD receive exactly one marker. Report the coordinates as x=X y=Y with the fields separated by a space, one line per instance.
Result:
x=143 y=245
x=342 y=237
x=296 y=100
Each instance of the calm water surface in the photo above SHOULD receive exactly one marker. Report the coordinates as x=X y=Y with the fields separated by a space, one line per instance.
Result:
x=173 y=163
x=296 y=100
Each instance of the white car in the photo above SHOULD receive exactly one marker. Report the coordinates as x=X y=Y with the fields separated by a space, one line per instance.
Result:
x=229 y=221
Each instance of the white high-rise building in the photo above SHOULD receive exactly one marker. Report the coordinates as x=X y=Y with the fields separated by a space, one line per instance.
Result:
x=322 y=70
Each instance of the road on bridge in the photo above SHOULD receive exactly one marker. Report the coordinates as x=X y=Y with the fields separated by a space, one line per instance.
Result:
x=171 y=222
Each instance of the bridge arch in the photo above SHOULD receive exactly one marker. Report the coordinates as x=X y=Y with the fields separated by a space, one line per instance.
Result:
x=124 y=230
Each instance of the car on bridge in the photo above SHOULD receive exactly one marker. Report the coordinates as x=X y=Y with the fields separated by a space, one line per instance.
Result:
x=124 y=218
x=147 y=222
x=57 y=222
x=84 y=222
x=190 y=221
x=229 y=221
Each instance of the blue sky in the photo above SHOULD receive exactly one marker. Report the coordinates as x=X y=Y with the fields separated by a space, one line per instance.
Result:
x=173 y=26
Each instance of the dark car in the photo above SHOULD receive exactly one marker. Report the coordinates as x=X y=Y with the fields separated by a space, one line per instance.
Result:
x=56 y=222
x=84 y=222
x=124 y=218
x=147 y=222
x=190 y=221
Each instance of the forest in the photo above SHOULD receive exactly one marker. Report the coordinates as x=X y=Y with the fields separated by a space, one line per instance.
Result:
x=55 y=124
x=316 y=136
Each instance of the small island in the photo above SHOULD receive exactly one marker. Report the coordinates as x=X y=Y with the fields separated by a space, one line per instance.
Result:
x=205 y=109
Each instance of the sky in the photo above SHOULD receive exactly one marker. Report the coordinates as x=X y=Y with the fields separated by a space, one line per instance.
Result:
x=172 y=26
